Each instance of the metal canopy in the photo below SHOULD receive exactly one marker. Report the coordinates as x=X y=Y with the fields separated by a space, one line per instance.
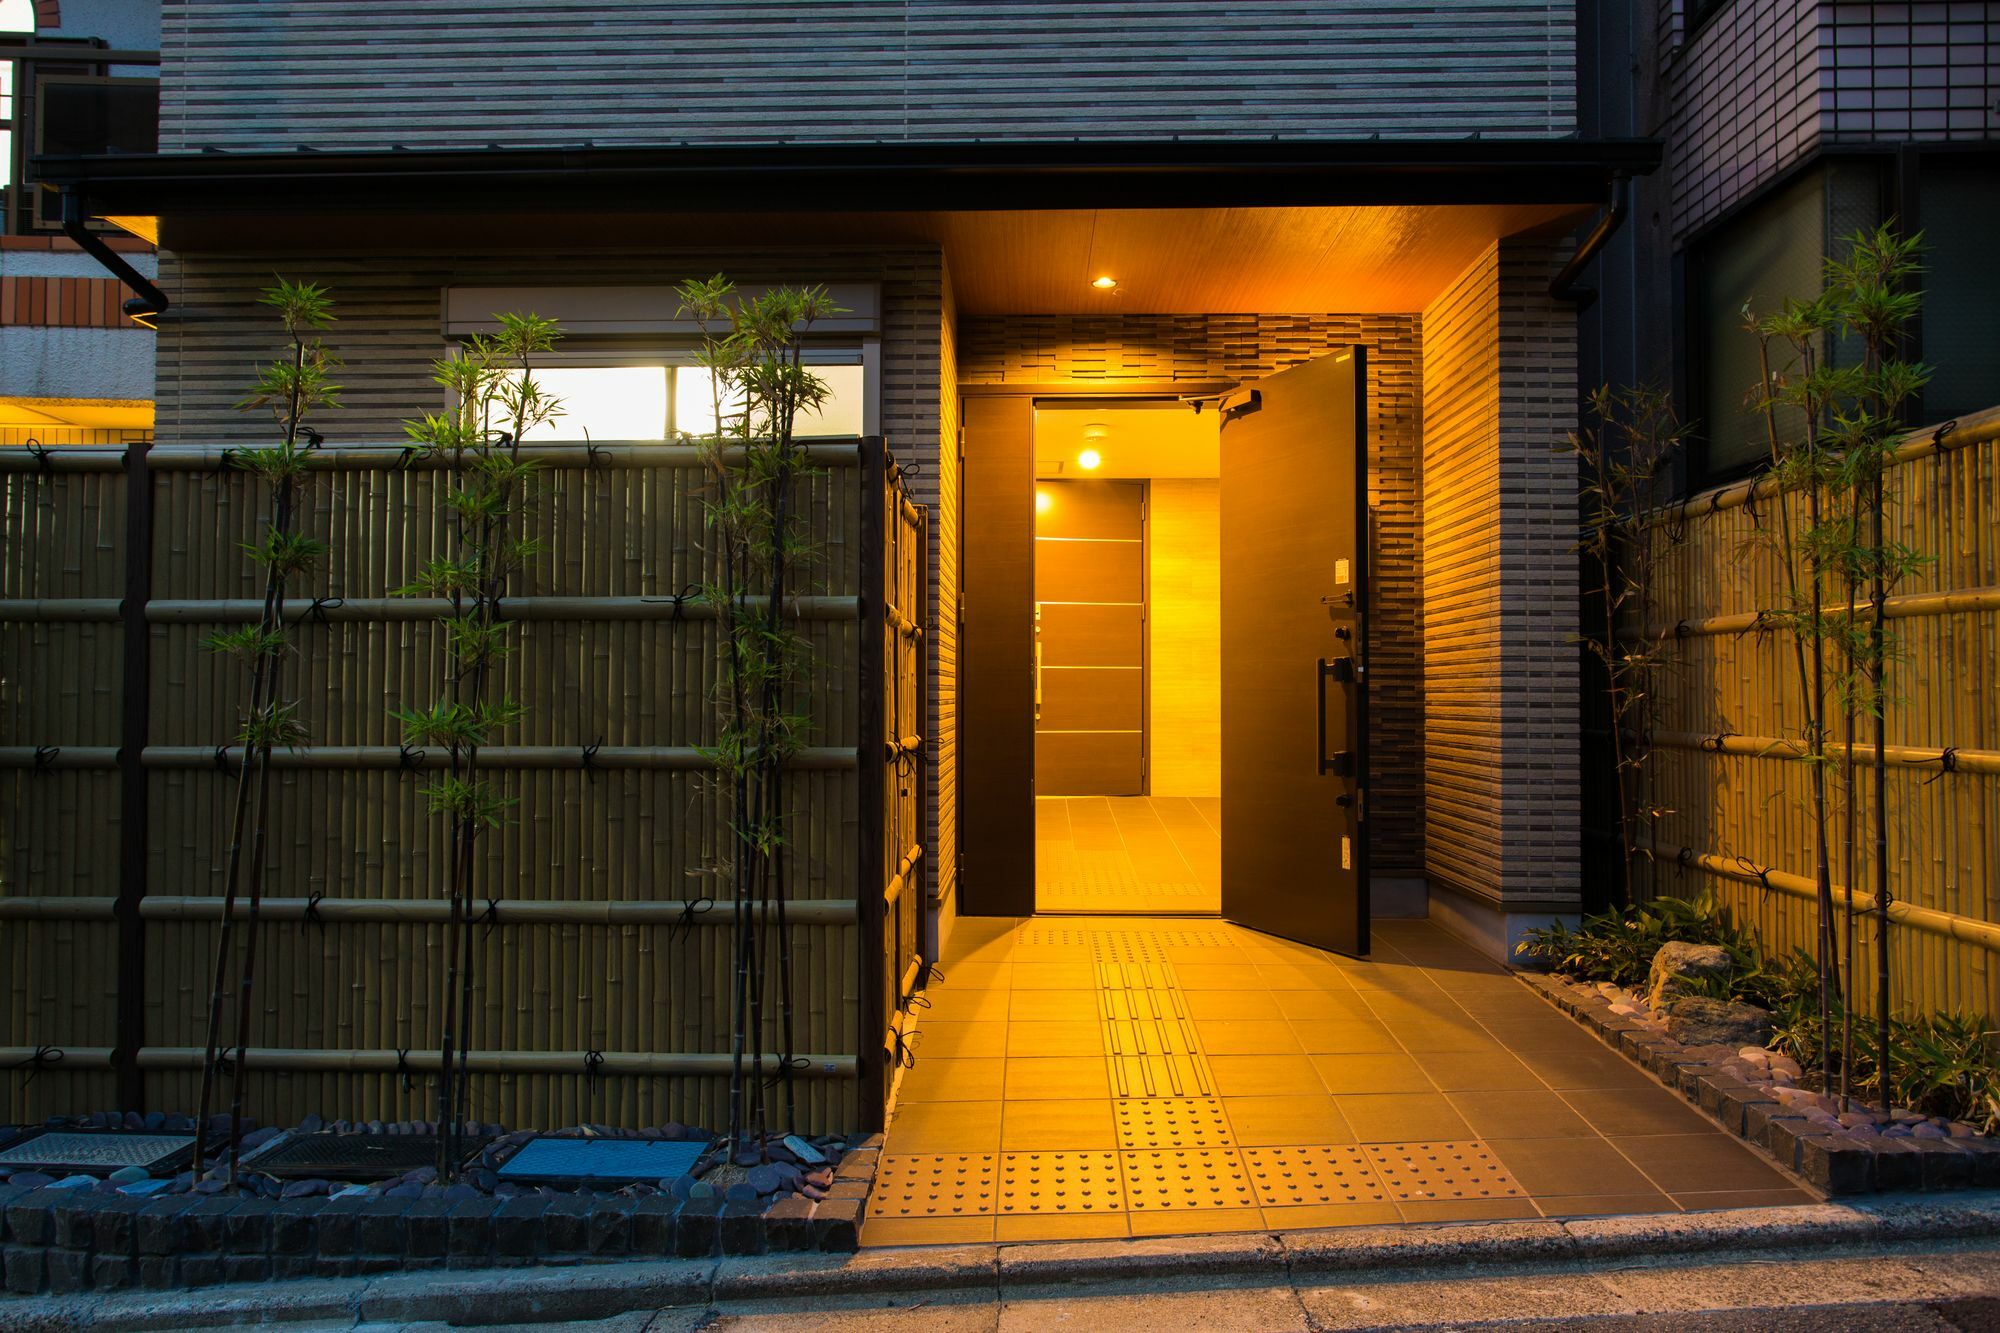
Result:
x=555 y=1161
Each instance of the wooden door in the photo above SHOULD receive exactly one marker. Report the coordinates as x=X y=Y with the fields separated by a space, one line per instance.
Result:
x=1090 y=634
x=1294 y=593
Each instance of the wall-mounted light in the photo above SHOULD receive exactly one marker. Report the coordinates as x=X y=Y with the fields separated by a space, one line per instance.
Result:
x=1105 y=283
x=1043 y=501
x=1089 y=459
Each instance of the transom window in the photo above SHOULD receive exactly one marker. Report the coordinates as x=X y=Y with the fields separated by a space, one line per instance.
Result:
x=661 y=400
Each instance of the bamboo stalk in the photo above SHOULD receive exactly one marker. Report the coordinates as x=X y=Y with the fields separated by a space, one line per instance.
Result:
x=1901 y=607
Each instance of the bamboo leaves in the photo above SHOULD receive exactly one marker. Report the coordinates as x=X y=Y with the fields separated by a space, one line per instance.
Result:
x=487 y=489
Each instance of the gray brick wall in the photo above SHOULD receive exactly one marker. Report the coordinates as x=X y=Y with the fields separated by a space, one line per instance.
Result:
x=272 y=74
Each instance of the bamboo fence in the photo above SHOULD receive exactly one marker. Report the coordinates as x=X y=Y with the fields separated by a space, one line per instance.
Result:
x=1727 y=761
x=604 y=948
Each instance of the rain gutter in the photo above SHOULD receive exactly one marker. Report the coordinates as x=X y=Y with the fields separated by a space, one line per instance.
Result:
x=148 y=302
x=1563 y=287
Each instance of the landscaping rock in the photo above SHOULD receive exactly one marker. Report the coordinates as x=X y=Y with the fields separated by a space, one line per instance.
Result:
x=1703 y=1021
x=1677 y=964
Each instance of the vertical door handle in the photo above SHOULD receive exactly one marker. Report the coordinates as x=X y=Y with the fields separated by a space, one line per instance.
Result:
x=1342 y=671
x=1319 y=701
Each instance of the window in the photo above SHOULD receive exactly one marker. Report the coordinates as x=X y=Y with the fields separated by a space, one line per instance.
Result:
x=1961 y=286
x=1774 y=251
x=661 y=400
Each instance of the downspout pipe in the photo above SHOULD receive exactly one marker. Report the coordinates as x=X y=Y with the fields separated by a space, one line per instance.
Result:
x=1563 y=286
x=148 y=302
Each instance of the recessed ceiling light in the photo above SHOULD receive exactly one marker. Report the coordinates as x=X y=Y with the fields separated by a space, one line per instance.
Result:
x=1089 y=459
x=1105 y=283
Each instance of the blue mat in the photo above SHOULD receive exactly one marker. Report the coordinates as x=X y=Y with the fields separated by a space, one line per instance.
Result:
x=600 y=1161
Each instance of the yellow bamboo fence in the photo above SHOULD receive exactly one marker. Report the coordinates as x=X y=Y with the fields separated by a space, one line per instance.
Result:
x=603 y=963
x=1727 y=760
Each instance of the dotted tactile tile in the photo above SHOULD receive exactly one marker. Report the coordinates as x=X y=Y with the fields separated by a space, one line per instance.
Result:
x=934 y=1185
x=1283 y=1176
x=1186 y=1178
x=1171 y=1122
x=1415 y=1171
x=1061 y=1182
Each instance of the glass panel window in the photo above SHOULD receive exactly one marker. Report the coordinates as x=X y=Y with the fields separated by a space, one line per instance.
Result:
x=840 y=414
x=1961 y=285
x=1774 y=252
x=660 y=401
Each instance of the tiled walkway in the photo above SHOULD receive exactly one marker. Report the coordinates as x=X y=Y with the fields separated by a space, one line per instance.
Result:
x=1150 y=854
x=1111 y=1076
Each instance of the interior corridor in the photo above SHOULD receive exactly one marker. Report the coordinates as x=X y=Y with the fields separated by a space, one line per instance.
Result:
x=1117 y=1076
x=1158 y=855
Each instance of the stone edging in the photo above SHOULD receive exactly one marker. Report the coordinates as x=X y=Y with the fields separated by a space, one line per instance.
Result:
x=82 y=1239
x=551 y=1295
x=1837 y=1164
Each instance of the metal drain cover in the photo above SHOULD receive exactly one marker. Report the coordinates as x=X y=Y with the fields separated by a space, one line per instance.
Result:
x=553 y=1161
x=98 y=1153
x=356 y=1156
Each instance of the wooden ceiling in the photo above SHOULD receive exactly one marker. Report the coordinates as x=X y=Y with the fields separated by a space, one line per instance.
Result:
x=1360 y=260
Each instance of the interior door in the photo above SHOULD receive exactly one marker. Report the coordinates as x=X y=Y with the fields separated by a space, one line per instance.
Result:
x=1090 y=633
x=1294 y=595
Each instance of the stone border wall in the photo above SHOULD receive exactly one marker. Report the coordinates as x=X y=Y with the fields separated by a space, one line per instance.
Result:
x=1838 y=1164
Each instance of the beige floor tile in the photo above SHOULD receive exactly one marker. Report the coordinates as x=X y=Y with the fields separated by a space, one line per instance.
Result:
x=1263 y=1075
x=1480 y=1071
x=1433 y=1035
x=1051 y=1006
x=976 y=976
x=1540 y=1034
x=954 y=1079
x=1519 y=1115
x=1065 y=1077
x=1586 y=1065
x=926 y=1230
x=1570 y=1166
x=1232 y=1004
x=1078 y=1037
x=1196 y=1221
x=1688 y=1163
x=1053 y=976
x=1301 y=1216
x=940 y=1040
x=1618 y=1112
x=1014 y=1227
x=956 y=1004
x=1608 y=1205
x=945 y=1127
x=1402 y=1118
x=1302 y=976
x=1466 y=1210
x=1215 y=976
x=1258 y=1122
x=1371 y=1074
x=1701 y=1200
x=1345 y=1036
x=1300 y=1005
x=1247 y=1036
x=1058 y=1126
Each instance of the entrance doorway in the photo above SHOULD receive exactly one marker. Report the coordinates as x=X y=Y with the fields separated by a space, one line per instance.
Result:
x=1184 y=580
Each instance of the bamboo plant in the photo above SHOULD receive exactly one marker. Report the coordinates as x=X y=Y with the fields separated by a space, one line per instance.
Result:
x=494 y=401
x=752 y=350
x=291 y=388
x=1848 y=418
x=1627 y=457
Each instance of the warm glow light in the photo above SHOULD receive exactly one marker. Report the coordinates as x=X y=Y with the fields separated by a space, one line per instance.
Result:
x=1105 y=283
x=1089 y=459
x=1042 y=502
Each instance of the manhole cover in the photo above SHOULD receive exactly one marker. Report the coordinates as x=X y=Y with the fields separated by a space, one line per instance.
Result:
x=600 y=1161
x=357 y=1156
x=98 y=1153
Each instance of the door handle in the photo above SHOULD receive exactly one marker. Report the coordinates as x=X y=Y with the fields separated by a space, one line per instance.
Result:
x=1340 y=670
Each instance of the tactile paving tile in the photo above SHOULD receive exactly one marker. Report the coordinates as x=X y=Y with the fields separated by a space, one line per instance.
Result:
x=1413 y=1171
x=1185 y=1178
x=1171 y=1122
x=1160 y=1076
x=934 y=1185
x=1136 y=976
x=1061 y=1182
x=1283 y=1176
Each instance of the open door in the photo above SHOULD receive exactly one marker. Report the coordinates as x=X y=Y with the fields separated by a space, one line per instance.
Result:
x=1294 y=594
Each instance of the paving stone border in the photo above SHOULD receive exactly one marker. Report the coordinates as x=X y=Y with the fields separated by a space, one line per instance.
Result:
x=87 y=1239
x=1840 y=1165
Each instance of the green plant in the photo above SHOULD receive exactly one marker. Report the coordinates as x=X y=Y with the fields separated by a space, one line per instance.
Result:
x=1626 y=457
x=292 y=388
x=752 y=348
x=1618 y=945
x=494 y=402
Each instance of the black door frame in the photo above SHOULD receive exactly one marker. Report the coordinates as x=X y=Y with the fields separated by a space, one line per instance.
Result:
x=996 y=705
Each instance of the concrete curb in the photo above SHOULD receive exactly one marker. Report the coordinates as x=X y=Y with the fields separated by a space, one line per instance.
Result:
x=542 y=1295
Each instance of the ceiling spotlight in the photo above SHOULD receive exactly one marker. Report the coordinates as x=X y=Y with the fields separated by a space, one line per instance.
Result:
x=1089 y=459
x=1105 y=283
